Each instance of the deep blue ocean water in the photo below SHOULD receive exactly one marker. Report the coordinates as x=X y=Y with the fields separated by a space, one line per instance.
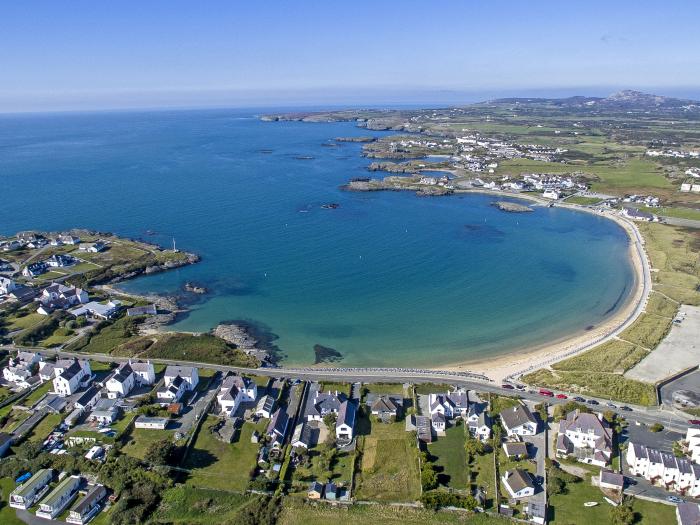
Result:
x=386 y=279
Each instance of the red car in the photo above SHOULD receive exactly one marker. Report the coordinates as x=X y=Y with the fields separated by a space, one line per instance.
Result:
x=562 y=396
x=547 y=393
x=694 y=421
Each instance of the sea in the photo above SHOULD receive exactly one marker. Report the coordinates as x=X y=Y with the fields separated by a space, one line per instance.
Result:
x=384 y=278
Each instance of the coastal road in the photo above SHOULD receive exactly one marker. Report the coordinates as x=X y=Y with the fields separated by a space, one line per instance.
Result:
x=670 y=418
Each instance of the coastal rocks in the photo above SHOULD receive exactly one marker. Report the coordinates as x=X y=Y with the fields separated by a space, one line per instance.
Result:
x=393 y=167
x=355 y=139
x=191 y=287
x=330 y=206
x=239 y=336
x=511 y=207
x=325 y=354
x=433 y=191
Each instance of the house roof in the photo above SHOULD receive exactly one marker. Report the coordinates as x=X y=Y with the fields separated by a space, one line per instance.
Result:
x=346 y=414
x=182 y=371
x=515 y=449
x=518 y=479
x=516 y=416
x=122 y=373
x=384 y=404
x=438 y=417
x=278 y=423
x=267 y=403
x=612 y=478
x=316 y=487
x=688 y=513
x=88 y=396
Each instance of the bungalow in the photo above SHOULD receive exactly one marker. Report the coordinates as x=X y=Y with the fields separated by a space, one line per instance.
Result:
x=385 y=407
x=60 y=261
x=635 y=214
x=29 y=492
x=302 y=436
x=142 y=310
x=121 y=382
x=424 y=432
x=345 y=424
x=87 y=506
x=518 y=421
x=585 y=436
x=105 y=411
x=70 y=379
x=151 y=423
x=59 y=498
x=515 y=449
x=189 y=374
x=70 y=240
x=93 y=247
x=277 y=429
x=518 y=483
x=97 y=310
x=551 y=194
x=330 y=491
x=611 y=480
x=265 y=407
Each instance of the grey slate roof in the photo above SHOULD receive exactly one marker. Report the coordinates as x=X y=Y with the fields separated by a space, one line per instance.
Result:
x=516 y=416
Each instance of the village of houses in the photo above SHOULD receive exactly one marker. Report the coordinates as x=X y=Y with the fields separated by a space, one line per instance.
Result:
x=316 y=439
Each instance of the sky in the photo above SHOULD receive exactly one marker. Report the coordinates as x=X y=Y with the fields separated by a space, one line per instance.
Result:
x=171 y=53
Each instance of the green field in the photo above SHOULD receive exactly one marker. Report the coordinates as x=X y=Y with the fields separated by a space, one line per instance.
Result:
x=388 y=462
x=219 y=465
x=40 y=432
x=108 y=338
x=185 y=505
x=613 y=356
x=304 y=513
x=37 y=394
x=7 y=513
x=583 y=201
x=24 y=322
x=482 y=476
x=568 y=508
x=450 y=458
x=140 y=439
x=203 y=348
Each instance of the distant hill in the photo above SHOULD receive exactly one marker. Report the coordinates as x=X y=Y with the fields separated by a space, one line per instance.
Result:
x=627 y=98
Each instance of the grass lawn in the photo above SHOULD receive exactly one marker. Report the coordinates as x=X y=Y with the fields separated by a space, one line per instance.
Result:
x=15 y=417
x=295 y=512
x=184 y=505
x=388 y=463
x=340 y=387
x=500 y=403
x=108 y=338
x=4 y=393
x=482 y=476
x=450 y=458
x=141 y=438
x=430 y=388
x=27 y=321
x=568 y=508
x=680 y=212
x=37 y=394
x=385 y=388
x=203 y=348
x=584 y=201
x=219 y=465
x=340 y=471
x=7 y=513
x=45 y=426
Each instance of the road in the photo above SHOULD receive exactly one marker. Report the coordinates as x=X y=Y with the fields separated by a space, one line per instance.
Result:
x=671 y=419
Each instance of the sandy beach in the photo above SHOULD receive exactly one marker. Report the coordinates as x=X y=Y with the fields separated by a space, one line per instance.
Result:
x=518 y=362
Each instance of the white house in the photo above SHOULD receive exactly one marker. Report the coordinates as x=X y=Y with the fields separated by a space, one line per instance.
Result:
x=518 y=483
x=59 y=498
x=551 y=194
x=58 y=297
x=69 y=380
x=157 y=423
x=518 y=421
x=277 y=428
x=189 y=374
x=586 y=436
x=88 y=399
x=235 y=390
x=105 y=411
x=6 y=285
x=479 y=422
x=144 y=373
x=664 y=469
x=93 y=247
x=172 y=391
x=321 y=404
x=20 y=369
x=438 y=421
x=692 y=439
x=265 y=407
x=121 y=382
x=450 y=404
x=98 y=310
x=87 y=506
x=345 y=424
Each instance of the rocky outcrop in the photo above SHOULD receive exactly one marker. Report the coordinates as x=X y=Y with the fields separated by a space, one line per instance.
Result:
x=511 y=207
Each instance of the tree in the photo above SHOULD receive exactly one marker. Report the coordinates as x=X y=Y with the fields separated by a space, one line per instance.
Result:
x=160 y=452
x=622 y=515
x=428 y=477
x=656 y=427
x=473 y=446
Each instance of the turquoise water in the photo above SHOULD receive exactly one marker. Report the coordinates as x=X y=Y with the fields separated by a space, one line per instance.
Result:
x=386 y=279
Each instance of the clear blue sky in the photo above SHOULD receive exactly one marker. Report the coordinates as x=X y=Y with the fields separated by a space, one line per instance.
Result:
x=84 y=54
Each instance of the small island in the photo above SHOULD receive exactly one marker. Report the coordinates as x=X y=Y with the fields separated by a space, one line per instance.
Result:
x=511 y=207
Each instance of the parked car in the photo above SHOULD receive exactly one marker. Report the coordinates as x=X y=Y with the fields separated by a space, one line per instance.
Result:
x=545 y=392
x=694 y=421
x=626 y=408
x=562 y=396
x=611 y=405
x=579 y=399
x=507 y=386
x=592 y=402
x=520 y=387
x=674 y=499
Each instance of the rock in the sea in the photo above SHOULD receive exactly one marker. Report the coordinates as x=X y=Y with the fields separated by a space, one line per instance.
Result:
x=325 y=354
x=511 y=207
